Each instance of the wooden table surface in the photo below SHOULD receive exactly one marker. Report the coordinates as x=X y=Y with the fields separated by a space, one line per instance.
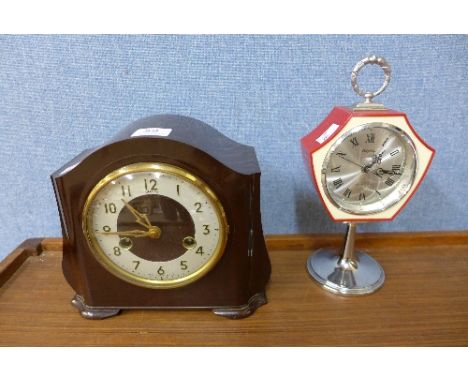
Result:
x=424 y=301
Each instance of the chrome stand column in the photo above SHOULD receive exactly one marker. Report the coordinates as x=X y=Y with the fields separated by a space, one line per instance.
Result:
x=346 y=272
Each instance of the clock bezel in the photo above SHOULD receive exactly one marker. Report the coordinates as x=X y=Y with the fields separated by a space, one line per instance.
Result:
x=411 y=176
x=126 y=276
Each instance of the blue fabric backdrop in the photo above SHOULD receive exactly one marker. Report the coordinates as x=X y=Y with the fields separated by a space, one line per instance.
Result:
x=62 y=94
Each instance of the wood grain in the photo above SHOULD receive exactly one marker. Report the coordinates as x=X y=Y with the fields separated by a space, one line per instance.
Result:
x=10 y=264
x=367 y=240
x=424 y=301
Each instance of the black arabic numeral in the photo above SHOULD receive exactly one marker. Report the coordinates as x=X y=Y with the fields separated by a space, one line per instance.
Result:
x=150 y=185
x=110 y=208
x=126 y=190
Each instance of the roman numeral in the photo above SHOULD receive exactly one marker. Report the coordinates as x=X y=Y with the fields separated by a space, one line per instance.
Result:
x=342 y=155
x=395 y=152
x=338 y=183
x=362 y=196
x=347 y=193
x=336 y=169
x=354 y=141
x=370 y=138
x=396 y=168
x=389 y=182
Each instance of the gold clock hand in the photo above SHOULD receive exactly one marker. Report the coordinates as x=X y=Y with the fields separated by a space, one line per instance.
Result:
x=134 y=233
x=145 y=217
x=154 y=233
x=140 y=218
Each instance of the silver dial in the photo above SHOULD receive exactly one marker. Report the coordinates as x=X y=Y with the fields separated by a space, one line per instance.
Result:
x=369 y=169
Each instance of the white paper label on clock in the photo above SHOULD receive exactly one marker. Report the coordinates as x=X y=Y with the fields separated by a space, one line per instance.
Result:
x=152 y=131
x=328 y=133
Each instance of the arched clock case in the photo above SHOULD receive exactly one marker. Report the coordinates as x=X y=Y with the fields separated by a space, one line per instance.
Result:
x=165 y=216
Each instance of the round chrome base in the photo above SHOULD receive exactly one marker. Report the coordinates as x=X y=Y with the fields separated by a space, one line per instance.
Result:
x=363 y=276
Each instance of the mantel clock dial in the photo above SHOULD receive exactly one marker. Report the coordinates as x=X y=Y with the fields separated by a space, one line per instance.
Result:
x=366 y=162
x=167 y=215
x=155 y=225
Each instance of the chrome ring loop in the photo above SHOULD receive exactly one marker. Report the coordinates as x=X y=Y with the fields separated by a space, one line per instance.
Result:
x=371 y=60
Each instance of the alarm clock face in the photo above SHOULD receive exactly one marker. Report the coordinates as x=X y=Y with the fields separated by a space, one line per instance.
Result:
x=155 y=225
x=369 y=169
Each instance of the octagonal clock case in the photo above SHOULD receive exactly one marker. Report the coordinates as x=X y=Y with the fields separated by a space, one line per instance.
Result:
x=164 y=216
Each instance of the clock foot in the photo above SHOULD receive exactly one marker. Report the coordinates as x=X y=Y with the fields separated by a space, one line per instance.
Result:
x=90 y=312
x=243 y=311
x=363 y=276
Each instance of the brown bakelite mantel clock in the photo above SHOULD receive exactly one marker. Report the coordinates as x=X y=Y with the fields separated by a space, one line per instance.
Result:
x=165 y=216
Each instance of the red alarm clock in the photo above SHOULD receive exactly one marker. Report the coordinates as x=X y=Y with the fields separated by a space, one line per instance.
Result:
x=366 y=162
